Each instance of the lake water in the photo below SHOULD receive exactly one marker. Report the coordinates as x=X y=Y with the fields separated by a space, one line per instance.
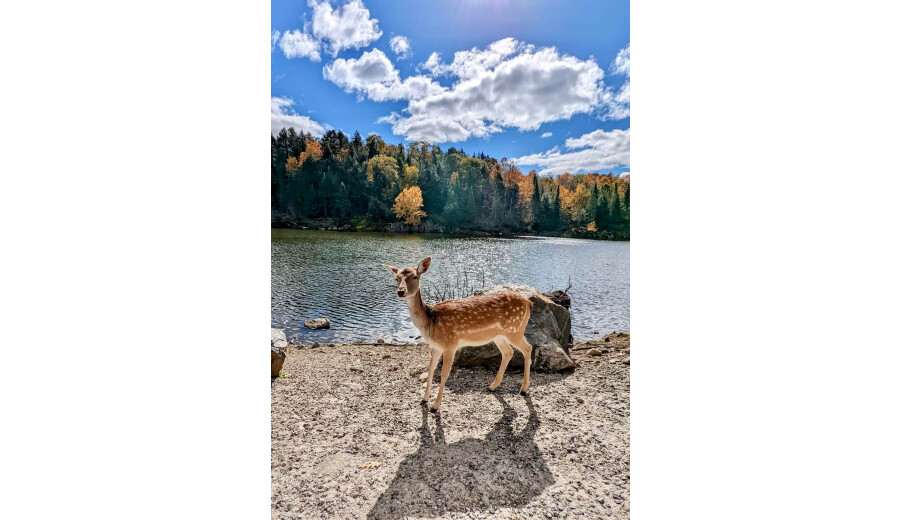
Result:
x=338 y=275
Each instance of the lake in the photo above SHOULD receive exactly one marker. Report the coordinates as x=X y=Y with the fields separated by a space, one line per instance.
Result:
x=338 y=275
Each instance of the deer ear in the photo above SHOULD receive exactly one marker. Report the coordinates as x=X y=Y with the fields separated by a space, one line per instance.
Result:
x=392 y=269
x=423 y=265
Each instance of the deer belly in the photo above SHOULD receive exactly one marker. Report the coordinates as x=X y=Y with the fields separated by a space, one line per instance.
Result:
x=481 y=337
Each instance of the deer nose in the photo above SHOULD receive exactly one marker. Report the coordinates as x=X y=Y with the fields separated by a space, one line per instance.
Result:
x=401 y=292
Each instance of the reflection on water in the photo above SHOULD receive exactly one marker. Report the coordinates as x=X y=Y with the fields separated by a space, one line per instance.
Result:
x=339 y=276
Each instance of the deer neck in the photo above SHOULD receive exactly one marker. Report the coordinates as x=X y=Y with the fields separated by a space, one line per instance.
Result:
x=419 y=312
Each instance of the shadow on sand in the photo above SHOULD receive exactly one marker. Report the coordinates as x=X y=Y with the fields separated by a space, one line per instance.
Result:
x=466 y=380
x=503 y=468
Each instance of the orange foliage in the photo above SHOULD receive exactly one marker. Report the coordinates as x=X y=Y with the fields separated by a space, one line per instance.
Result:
x=313 y=149
x=292 y=165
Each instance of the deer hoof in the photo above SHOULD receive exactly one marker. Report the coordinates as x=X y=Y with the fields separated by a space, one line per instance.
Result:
x=433 y=410
x=423 y=401
x=522 y=392
x=492 y=390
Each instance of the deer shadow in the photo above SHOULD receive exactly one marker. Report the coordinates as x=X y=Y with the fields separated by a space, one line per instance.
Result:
x=475 y=379
x=504 y=468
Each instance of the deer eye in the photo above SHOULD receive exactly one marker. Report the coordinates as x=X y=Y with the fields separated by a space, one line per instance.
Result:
x=415 y=277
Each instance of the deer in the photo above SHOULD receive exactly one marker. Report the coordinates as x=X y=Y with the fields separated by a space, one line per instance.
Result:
x=453 y=324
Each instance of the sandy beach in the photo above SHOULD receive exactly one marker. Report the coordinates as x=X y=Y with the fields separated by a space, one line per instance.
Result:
x=350 y=438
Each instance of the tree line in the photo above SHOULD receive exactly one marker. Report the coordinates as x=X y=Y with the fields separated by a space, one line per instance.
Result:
x=369 y=184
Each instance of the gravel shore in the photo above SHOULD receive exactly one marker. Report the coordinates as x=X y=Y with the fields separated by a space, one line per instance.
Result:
x=351 y=440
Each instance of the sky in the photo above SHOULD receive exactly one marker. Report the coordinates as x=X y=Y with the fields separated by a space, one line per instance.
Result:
x=543 y=83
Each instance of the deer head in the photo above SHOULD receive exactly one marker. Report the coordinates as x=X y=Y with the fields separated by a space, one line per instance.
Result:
x=408 y=278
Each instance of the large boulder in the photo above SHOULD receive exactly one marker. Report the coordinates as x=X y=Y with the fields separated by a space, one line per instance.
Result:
x=549 y=332
x=279 y=343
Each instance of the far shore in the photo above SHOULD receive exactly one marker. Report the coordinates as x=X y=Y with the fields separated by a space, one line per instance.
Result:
x=455 y=233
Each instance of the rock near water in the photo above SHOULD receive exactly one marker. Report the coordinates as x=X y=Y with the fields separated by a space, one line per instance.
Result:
x=549 y=332
x=279 y=343
x=318 y=323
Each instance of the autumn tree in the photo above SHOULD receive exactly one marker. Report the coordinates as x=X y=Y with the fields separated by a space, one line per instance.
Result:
x=410 y=176
x=292 y=165
x=374 y=145
x=408 y=205
x=382 y=166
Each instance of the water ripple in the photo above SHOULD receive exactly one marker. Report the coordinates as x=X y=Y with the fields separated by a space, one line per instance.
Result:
x=339 y=276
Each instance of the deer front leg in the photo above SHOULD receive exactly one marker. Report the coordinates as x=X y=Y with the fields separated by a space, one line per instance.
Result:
x=445 y=373
x=435 y=356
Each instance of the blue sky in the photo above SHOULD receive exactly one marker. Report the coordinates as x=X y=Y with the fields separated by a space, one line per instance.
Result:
x=505 y=75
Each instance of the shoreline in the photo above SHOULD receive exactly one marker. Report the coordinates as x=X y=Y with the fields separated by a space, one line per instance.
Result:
x=347 y=228
x=350 y=439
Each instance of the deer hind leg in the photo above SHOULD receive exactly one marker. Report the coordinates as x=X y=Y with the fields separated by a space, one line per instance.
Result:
x=525 y=348
x=435 y=356
x=506 y=353
x=445 y=373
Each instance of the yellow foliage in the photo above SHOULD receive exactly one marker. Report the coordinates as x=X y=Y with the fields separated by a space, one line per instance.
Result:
x=581 y=198
x=526 y=190
x=292 y=165
x=566 y=200
x=592 y=226
x=408 y=205
x=385 y=166
x=410 y=175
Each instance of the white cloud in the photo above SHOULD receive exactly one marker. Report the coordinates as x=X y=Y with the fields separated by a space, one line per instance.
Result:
x=298 y=44
x=438 y=129
x=473 y=62
x=433 y=65
x=595 y=151
x=622 y=64
x=374 y=76
x=546 y=135
x=276 y=34
x=618 y=104
x=347 y=27
x=508 y=84
x=284 y=117
x=401 y=47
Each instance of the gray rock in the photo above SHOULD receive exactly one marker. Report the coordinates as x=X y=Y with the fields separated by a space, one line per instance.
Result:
x=548 y=331
x=318 y=323
x=279 y=343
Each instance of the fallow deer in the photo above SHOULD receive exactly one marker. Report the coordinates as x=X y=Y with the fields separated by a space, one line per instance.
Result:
x=477 y=320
